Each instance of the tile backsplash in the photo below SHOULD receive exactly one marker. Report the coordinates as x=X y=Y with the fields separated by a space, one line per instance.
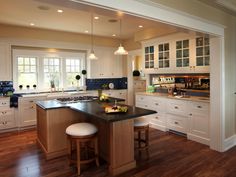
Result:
x=119 y=83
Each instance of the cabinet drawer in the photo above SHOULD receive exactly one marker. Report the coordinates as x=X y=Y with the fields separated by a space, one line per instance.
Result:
x=143 y=105
x=177 y=107
x=5 y=102
x=140 y=85
x=141 y=98
x=158 y=104
x=159 y=119
x=6 y=112
x=7 y=124
x=199 y=107
x=177 y=123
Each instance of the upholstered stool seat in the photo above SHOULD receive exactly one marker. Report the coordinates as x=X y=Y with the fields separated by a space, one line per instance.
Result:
x=141 y=125
x=81 y=129
x=84 y=134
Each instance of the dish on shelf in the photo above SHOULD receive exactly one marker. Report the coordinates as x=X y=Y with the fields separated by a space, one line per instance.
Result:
x=116 y=109
x=111 y=85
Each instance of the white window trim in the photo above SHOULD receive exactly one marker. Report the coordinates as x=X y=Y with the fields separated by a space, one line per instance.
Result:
x=41 y=54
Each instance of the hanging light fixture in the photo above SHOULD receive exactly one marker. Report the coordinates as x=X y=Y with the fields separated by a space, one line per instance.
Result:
x=92 y=55
x=120 y=50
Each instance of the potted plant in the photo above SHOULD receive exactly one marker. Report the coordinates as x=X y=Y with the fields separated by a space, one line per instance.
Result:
x=77 y=77
x=136 y=73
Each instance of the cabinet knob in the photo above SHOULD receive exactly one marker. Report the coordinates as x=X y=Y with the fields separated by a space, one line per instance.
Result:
x=190 y=114
x=156 y=117
x=176 y=123
x=31 y=101
x=157 y=104
x=199 y=106
x=176 y=107
x=146 y=106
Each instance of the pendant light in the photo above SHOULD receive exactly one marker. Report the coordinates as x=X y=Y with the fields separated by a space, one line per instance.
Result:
x=92 y=55
x=120 y=50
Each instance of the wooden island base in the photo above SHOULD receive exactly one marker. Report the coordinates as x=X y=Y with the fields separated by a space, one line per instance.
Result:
x=116 y=139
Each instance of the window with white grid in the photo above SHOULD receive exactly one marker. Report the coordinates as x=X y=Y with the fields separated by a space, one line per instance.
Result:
x=51 y=67
x=27 y=71
x=73 y=68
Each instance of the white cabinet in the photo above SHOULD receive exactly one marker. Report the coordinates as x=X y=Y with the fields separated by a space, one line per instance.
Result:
x=177 y=116
x=176 y=53
x=108 y=65
x=157 y=104
x=5 y=60
x=184 y=116
x=139 y=85
x=199 y=122
x=7 y=118
x=27 y=111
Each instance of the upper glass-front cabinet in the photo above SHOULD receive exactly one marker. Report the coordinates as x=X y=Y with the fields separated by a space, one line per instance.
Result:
x=149 y=57
x=202 y=51
x=164 y=55
x=182 y=53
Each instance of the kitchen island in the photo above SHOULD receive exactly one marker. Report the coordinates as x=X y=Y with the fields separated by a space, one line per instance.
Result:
x=115 y=131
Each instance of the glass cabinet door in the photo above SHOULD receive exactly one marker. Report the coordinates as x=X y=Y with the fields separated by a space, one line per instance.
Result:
x=164 y=55
x=182 y=53
x=202 y=51
x=149 y=57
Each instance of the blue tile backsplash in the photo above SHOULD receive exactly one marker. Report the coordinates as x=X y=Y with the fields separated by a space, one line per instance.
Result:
x=119 y=83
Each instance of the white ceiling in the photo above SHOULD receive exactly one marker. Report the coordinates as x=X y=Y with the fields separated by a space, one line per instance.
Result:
x=75 y=18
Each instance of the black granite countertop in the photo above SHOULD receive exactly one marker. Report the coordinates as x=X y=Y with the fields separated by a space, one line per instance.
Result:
x=97 y=109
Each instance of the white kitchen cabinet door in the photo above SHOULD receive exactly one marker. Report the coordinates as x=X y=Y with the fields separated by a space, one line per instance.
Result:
x=27 y=111
x=199 y=122
x=107 y=66
x=5 y=60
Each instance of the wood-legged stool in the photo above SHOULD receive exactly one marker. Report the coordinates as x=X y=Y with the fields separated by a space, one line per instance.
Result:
x=85 y=135
x=142 y=126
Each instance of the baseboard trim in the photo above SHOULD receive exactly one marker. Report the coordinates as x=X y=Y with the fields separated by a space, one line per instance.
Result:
x=229 y=142
x=199 y=139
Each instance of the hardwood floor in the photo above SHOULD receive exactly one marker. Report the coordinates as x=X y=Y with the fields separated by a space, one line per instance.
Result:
x=170 y=156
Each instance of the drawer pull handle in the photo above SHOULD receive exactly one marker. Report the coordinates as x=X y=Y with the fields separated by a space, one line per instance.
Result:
x=4 y=112
x=157 y=104
x=31 y=101
x=190 y=114
x=176 y=123
x=4 y=103
x=156 y=117
x=176 y=107
x=199 y=106
x=146 y=106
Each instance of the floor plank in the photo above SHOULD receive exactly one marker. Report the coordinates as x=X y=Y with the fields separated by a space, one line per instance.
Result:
x=170 y=156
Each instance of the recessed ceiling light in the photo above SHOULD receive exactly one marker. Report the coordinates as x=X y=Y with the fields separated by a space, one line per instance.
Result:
x=113 y=34
x=59 y=11
x=86 y=31
x=140 y=26
x=32 y=24
x=96 y=17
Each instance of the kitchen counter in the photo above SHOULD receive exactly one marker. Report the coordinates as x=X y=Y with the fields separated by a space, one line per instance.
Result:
x=115 y=130
x=96 y=109
x=179 y=97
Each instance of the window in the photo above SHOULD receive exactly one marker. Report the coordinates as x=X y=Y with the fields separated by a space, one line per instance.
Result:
x=202 y=51
x=51 y=68
x=182 y=53
x=47 y=69
x=27 y=71
x=73 y=68
x=164 y=55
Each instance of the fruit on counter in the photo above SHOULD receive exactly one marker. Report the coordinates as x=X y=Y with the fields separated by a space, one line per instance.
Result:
x=103 y=97
x=114 y=109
